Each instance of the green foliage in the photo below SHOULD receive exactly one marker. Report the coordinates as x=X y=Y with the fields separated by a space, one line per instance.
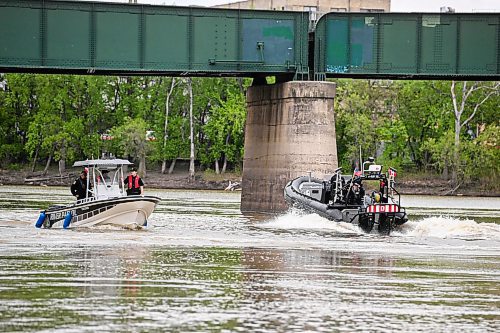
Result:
x=424 y=108
x=364 y=110
x=352 y=132
x=394 y=137
x=225 y=129
x=130 y=138
x=15 y=167
x=404 y=124
x=18 y=103
x=410 y=125
x=10 y=152
x=478 y=159
x=481 y=157
x=440 y=151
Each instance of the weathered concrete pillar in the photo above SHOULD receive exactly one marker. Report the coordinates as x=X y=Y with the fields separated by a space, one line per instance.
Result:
x=290 y=130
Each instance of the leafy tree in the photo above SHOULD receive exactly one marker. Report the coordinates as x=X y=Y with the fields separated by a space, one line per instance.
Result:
x=465 y=108
x=56 y=95
x=353 y=136
x=392 y=134
x=225 y=131
x=441 y=151
x=421 y=107
x=130 y=140
x=402 y=123
x=484 y=155
x=19 y=104
x=362 y=106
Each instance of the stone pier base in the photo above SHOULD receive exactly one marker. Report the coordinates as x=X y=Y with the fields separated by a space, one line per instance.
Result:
x=290 y=131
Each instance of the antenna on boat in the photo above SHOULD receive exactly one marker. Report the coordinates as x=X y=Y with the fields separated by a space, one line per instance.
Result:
x=122 y=184
x=361 y=161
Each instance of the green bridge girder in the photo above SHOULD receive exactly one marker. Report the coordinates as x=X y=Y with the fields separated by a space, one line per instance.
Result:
x=129 y=39
x=413 y=45
x=110 y=38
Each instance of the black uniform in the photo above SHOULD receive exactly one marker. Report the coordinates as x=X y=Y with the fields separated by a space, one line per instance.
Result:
x=356 y=194
x=79 y=188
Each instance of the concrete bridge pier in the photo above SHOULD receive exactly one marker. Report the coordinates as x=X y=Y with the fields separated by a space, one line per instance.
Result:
x=290 y=131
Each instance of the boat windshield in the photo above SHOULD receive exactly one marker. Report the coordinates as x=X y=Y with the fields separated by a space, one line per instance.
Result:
x=107 y=182
x=105 y=177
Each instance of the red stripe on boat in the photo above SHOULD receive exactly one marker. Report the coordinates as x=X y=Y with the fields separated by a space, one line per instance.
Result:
x=389 y=208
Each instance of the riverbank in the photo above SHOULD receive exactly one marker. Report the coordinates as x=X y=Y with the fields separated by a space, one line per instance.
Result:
x=211 y=181
x=153 y=179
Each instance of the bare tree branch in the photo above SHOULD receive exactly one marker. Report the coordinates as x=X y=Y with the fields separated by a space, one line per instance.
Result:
x=476 y=107
x=454 y=99
x=173 y=83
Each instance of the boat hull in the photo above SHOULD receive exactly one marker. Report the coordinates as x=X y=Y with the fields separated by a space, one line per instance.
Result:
x=131 y=211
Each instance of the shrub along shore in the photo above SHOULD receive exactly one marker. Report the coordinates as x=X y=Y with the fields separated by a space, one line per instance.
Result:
x=411 y=184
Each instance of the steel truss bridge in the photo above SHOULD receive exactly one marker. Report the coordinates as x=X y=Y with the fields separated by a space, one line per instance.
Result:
x=51 y=36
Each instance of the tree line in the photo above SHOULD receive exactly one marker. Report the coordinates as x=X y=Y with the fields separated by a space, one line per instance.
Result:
x=150 y=120
x=447 y=128
x=444 y=128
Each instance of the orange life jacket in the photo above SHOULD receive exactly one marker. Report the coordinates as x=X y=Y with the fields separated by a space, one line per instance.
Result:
x=136 y=182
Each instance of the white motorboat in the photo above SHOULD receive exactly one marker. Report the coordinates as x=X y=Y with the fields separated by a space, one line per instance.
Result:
x=106 y=201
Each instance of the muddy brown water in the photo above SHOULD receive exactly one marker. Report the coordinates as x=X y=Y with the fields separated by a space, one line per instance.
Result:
x=202 y=266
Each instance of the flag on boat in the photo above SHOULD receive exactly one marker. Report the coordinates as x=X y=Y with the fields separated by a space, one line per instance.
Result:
x=392 y=173
x=357 y=172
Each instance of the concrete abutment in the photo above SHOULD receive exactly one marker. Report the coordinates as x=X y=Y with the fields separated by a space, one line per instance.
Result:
x=290 y=131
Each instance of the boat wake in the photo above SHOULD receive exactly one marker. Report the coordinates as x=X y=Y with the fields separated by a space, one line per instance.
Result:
x=438 y=227
x=449 y=227
x=114 y=227
x=298 y=219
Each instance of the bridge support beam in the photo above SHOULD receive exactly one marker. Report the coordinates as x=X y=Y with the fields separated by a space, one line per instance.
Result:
x=290 y=131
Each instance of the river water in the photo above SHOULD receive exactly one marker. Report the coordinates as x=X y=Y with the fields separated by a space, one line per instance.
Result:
x=202 y=266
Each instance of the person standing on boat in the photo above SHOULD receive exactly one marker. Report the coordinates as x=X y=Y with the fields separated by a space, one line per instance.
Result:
x=356 y=193
x=79 y=186
x=135 y=185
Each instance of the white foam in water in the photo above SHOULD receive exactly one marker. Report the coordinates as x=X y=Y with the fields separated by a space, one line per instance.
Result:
x=437 y=226
x=296 y=219
x=450 y=227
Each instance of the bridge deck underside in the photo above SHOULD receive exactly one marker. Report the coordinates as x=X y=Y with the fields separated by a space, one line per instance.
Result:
x=412 y=45
x=105 y=38
x=130 y=39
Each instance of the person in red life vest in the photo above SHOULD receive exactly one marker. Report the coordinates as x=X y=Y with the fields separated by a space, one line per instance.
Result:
x=135 y=185
x=384 y=190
